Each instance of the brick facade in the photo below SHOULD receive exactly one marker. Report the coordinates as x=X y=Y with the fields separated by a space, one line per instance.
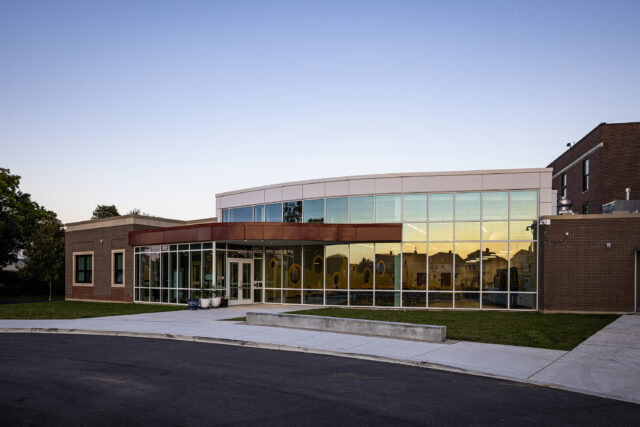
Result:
x=578 y=272
x=613 y=167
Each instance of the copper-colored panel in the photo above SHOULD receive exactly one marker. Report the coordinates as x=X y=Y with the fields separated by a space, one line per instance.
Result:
x=379 y=233
x=346 y=234
x=292 y=231
x=219 y=231
x=254 y=231
x=272 y=231
x=145 y=238
x=235 y=231
x=204 y=232
x=180 y=235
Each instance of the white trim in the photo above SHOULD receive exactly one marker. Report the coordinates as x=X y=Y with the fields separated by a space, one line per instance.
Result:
x=576 y=161
x=73 y=268
x=113 y=283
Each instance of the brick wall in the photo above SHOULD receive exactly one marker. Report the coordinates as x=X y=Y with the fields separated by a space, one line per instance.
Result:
x=89 y=240
x=621 y=160
x=578 y=272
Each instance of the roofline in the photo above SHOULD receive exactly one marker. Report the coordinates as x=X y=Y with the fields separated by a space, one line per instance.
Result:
x=387 y=175
x=118 y=217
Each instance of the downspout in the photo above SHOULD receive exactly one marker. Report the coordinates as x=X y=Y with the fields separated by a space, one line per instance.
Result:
x=636 y=250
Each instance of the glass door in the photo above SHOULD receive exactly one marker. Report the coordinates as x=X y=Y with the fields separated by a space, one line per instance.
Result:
x=240 y=291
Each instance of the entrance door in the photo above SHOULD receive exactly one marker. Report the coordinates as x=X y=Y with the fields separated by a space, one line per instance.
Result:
x=240 y=274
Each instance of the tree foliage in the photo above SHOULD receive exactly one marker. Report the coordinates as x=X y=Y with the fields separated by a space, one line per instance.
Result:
x=105 y=211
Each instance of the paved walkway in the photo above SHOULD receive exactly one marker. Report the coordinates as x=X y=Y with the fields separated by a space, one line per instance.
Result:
x=607 y=364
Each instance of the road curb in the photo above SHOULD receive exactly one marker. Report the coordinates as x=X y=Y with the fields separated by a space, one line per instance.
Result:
x=284 y=347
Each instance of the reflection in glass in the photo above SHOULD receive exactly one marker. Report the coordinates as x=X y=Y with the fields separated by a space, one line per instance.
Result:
x=494 y=266
x=241 y=214
x=388 y=208
x=337 y=260
x=361 y=209
x=291 y=297
x=361 y=266
x=467 y=299
x=313 y=266
x=273 y=267
x=292 y=211
x=292 y=266
x=524 y=204
x=467 y=266
x=183 y=270
x=440 y=300
x=387 y=299
x=523 y=230
x=441 y=231
x=498 y=300
x=440 y=207
x=495 y=205
x=440 y=266
x=414 y=207
x=361 y=298
x=221 y=266
x=495 y=230
x=164 y=263
x=467 y=206
x=155 y=295
x=173 y=270
x=414 y=299
x=414 y=232
x=258 y=213
x=414 y=266
x=338 y=210
x=314 y=210
x=143 y=270
x=273 y=295
x=387 y=266
x=337 y=298
x=522 y=301
x=523 y=266
x=196 y=269
x=155 y=270
x=207 y=269
x=225 y=215
x=467 y=231
x=273 y=212
x=313 y=297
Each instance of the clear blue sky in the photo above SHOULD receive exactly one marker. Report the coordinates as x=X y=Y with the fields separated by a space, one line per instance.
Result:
x=160 y=105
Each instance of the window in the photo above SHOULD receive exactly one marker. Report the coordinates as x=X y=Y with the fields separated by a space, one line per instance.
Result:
x=118 y=268
x=241 y=214
x=292 y=211
x=585 y=175
x=84 y=268
x=273 y=212
x=258 y=213
x=338 y=210
x=585 y=208
x=314 y=210
x=564 y=185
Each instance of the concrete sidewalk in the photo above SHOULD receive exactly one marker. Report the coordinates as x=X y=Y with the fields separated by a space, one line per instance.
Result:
x=525 y=364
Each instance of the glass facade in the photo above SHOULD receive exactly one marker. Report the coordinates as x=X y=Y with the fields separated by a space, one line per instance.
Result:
x=467 y=250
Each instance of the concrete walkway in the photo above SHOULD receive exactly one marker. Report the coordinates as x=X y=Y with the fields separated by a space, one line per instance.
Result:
x=589 y=362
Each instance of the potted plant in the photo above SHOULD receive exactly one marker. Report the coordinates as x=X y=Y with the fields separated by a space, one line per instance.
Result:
x=205 y=300
x=215 y=300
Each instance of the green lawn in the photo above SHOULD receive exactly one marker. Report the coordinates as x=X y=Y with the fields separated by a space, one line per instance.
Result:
x=554 y=331
x=77 y=309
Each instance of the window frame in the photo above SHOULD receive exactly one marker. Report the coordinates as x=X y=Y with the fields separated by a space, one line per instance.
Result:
x=113 y=268
x=563 y=184
x=74 y=257
x=586 y=166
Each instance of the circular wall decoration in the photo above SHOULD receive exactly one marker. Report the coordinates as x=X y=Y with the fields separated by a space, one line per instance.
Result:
x=317 y=263
x=295 y=274
x=381 y=267
x=273 y=263
x=336 y=279
x=366 y=275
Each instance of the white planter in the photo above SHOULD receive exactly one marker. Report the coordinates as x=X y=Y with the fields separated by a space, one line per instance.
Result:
x=215 y=301
x=204 y=302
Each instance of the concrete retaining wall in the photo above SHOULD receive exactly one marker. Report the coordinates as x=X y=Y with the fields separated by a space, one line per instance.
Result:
x=354 y=326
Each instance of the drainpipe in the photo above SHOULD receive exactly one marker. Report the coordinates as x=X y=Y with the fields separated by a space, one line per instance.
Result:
x=636 y=250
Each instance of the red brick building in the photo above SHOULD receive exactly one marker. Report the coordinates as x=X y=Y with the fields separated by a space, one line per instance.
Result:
x=597 y=169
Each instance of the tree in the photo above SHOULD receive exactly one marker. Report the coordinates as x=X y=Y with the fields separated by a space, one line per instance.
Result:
x=44 y=250
x=18 y=217
x=105 y=211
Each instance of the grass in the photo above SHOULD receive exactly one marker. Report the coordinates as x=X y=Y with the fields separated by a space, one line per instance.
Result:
x=553 y=331
x=236 y=319
x=77 y=309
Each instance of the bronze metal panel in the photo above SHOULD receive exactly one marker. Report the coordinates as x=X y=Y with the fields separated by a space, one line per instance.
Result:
x=379 y=232
x=145 y=238
x=272 y=231
x=254 y=231
x=235 y=231
x=180 y=235
x=204 y=232
x=346 y=234
x=292 y=231
x=219 y=231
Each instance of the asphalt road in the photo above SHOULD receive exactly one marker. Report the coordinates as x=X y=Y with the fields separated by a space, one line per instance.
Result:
x=92 y=380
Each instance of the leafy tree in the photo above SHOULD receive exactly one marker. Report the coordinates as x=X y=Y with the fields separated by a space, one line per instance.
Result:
x=135 y=211
x=44 y=251
x=18 y=217
x=105 y=211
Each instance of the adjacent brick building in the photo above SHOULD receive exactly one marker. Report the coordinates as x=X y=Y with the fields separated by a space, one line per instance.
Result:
x=597 y=169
